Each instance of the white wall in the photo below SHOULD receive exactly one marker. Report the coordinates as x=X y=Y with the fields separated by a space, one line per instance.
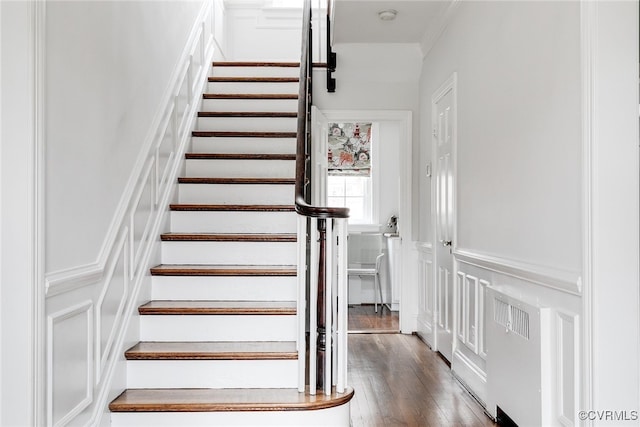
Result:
x=108 y=64
x=257 y=32
x=519 y=128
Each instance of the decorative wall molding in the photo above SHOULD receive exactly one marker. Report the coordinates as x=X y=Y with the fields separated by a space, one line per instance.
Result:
x=565 y=281
x=84 y=308
x=439 y=24
x=567 y=368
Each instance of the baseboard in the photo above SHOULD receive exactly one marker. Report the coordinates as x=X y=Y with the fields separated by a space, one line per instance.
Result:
x=471 y=376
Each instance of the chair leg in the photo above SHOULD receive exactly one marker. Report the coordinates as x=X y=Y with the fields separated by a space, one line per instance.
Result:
x=375 y=295
x=379 y=286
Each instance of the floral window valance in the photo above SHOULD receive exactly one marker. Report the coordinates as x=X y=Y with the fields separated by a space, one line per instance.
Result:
x=349 y=149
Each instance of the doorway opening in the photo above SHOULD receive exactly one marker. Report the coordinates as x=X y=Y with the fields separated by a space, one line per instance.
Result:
x=361 y=161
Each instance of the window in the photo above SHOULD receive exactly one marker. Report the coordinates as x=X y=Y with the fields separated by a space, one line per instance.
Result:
x=353 y=192
x=349 y=181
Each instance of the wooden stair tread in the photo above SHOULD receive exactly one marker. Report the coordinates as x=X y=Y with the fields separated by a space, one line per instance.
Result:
x=254 y=79
x=169 y=307
x=250 y=96
x=237 y=208
x=243 y=134
x=223 y=350
x=252 y=114
x=239 y=156
x=223 y=270
x=285 y=64
x=217 y=400
x=229 y=237
x=262 y=181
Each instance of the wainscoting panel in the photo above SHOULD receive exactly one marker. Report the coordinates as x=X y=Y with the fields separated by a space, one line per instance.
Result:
x=469 y=358
x=567 y=368
x=89 y=308
x=69 y=357
x=426 y=294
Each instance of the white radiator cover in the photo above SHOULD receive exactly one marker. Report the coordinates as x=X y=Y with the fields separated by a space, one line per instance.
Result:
x=519 y=370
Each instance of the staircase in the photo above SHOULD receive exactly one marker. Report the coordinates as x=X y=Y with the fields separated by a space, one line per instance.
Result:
x=218 y=340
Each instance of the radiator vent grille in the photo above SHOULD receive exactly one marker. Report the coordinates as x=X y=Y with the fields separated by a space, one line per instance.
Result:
x=520 y=322
x=501 y=314
x=512 y=318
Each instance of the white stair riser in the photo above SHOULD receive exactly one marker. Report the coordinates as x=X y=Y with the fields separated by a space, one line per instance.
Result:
x=223 y=288
x=229 y=253
x=243 y=145
x=233 y=222
x=212 y=373
x=218 y=328
x=336 y=416
x=279 y=105
x=253 y=87
x=249 y=124
x=276 y=194
x=214 y=168
x=256 y=71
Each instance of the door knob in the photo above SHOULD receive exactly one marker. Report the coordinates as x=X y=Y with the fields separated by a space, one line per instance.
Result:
x=445 y=242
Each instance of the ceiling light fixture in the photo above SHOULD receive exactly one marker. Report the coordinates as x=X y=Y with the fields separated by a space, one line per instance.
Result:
x=387 y=15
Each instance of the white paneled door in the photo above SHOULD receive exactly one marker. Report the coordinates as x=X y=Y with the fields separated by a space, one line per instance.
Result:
x=443 y=132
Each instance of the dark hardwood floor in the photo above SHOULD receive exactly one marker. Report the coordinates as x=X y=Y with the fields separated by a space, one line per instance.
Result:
x=363 y=318
x=399 y=381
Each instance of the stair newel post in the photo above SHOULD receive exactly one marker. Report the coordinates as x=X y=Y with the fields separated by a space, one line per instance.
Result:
x=321 y=310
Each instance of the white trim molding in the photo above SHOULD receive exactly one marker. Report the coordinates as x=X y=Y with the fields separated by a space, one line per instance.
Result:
x=610 y=194
x=565 y=281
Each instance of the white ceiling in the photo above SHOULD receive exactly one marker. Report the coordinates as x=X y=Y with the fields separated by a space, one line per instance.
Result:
x=356 y=21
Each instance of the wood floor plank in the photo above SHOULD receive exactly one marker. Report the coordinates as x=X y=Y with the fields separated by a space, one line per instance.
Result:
x=222 y=270
x=256 y=64
x=399 y=381
x=232 y=79
x=252 y=114
x=212 y=400
x=238 y=181
x=228 y=237
x=218 y=307
x=239 y=156
x=250 y=96
x=221 y=350
x=240 y=208
x=363 y=319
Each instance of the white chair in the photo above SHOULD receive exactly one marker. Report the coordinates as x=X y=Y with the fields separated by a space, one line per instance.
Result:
x=361 y=262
